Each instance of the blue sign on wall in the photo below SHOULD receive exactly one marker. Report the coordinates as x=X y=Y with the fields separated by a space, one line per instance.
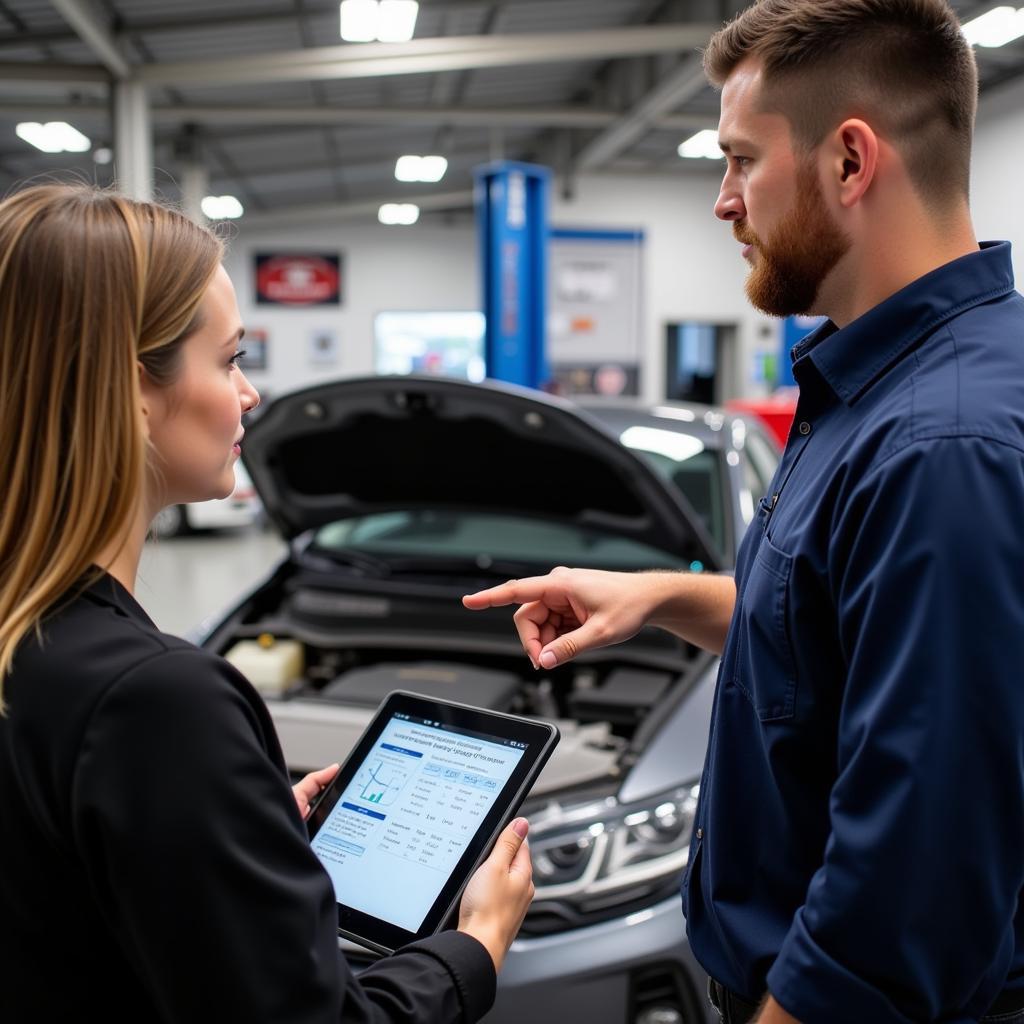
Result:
x=794 y=328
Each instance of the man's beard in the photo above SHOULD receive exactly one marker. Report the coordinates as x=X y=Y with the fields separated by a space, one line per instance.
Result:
x=800 y=253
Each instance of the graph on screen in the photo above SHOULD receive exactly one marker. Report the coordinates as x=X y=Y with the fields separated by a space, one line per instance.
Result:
x=381 y=783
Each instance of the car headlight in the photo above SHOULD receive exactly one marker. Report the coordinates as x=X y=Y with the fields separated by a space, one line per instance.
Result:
x=604 y=854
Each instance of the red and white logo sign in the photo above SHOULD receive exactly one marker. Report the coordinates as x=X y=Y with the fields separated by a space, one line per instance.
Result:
x=298 y=280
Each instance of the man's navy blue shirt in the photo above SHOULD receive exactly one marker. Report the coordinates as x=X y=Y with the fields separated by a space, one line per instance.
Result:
x=859 y=844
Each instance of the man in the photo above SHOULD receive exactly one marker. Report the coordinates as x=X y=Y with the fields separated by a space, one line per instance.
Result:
x=858 y=853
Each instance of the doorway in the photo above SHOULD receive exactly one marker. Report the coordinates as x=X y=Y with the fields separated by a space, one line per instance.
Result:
x=700 y=362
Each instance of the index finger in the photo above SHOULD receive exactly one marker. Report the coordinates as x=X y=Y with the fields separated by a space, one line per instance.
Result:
x=513 y=592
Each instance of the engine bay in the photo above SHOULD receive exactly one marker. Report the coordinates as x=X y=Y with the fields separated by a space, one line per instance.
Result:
x=324 y=659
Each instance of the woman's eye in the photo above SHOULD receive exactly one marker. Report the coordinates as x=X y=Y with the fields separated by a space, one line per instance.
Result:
x=233 y=361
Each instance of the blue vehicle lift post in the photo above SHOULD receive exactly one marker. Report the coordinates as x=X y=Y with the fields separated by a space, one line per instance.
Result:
x=512 y=221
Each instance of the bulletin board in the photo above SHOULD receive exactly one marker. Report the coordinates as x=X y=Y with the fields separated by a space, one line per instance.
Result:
x=595 y=288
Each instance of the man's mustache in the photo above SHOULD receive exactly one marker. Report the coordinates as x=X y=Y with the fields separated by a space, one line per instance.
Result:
x=743 y=234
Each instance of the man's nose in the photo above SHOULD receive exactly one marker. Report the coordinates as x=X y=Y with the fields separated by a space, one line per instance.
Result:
x=729 y=205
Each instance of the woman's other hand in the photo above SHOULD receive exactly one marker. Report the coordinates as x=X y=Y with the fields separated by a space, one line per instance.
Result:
x=312 y=786
x=499 y=893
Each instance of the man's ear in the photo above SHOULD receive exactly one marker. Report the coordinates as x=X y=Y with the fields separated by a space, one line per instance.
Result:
x=853 y=160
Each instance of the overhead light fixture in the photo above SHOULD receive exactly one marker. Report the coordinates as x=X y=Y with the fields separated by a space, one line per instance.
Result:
x=390 y=21
x=102 y=155
x=397 y=20
x=398 y=213
x=703 y=145
x=53 y=137
x=998 y=27
x=359 y=21
x=420 y=168
x=221 y=207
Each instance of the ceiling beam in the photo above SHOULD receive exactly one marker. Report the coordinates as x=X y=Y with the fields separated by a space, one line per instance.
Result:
x=680 y=86
x=421 y=56
x=89 y=26
x=318 y=212
x=71 y=74
x=378 y=163
x=198 y=21
x=267 y=117
x=482 y=117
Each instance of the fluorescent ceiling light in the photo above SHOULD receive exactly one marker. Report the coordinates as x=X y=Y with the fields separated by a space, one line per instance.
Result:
x=407 y=168
x=996 y=28
x=53 y=137
x=390 y=21
x=702 y=145
x=221 y=207
x=397 y=20
x=420 y=168
x=359 y=21
x=398 y=213
x=432 y=168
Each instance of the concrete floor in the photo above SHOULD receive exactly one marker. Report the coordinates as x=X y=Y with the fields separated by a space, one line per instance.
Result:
x=185 y=581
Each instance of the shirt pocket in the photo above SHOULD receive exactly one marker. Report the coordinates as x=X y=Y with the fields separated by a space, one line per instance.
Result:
x=764 y=668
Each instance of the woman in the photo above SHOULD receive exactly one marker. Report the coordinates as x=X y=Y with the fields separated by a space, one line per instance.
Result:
x=153 y=861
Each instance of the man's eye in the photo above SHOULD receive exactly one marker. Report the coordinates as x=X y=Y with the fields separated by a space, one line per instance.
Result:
x=741 y=161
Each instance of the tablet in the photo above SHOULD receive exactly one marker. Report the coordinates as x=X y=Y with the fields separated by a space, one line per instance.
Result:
x=416 y=807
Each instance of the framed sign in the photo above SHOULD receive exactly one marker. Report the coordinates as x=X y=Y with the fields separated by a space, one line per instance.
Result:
x=254 y=345
x=323 y=346
x=297 y=279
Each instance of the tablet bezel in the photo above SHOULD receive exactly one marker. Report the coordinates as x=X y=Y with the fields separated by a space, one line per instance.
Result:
x=540 y=739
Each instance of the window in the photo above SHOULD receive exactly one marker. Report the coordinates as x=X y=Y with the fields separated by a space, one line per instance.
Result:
x=444 y=344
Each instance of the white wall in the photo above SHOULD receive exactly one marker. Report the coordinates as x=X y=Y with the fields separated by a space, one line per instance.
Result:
x=996 y=173
x=692 y=270
x=384 y=269
x=692 y=265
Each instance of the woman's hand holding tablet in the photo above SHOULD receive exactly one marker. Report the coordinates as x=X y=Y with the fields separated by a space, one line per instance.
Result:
x=499 y=893
x=413 y=812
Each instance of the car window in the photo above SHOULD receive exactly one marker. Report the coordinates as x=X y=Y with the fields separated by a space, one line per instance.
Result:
x=762 y=459
x=699 y=478
x=484 y=538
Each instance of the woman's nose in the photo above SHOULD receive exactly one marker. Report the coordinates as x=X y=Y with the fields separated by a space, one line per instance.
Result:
x=249 y=395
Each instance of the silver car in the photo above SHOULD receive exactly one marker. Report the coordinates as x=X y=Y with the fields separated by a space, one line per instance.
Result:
x=398 y=495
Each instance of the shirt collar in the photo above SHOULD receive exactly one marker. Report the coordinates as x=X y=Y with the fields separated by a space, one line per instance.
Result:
x=107 y=590
x=851 y=359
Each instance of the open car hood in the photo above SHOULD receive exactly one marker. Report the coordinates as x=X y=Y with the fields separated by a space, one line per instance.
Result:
x=375 y=444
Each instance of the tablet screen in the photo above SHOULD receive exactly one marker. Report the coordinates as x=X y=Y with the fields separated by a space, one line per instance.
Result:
x=412 y=807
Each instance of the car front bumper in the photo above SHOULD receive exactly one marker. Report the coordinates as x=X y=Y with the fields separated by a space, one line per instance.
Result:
x=617 y=971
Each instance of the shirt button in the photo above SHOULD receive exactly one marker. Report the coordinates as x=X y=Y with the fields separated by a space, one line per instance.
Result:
x=805 y=428
x=700 y=833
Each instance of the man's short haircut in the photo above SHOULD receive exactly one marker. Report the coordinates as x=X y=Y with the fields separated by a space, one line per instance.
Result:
x=903 y=66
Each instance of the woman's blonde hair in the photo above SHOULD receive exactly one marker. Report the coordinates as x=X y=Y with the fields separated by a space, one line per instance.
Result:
x=92 y=284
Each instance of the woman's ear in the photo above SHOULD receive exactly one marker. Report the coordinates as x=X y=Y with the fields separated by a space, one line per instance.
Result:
x=146 y=396
x=853 y=160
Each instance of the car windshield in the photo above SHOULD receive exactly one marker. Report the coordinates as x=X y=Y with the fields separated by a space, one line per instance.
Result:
x=698 y=478
x=682 y=460
x=457 y=538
